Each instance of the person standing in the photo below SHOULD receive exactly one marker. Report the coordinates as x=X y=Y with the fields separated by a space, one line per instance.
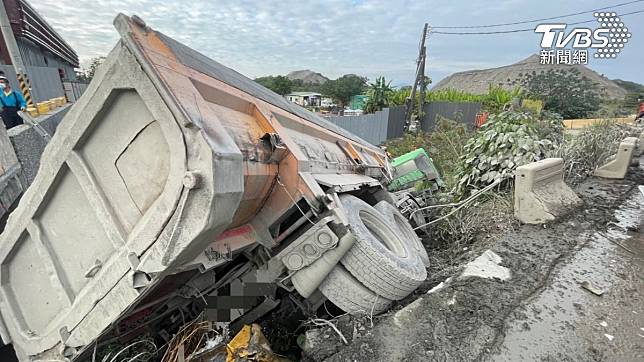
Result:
x=11 y=102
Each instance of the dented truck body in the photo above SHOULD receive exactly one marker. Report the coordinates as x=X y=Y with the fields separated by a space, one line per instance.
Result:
x=167 y=170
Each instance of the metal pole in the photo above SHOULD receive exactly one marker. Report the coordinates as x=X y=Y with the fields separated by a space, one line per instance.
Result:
x=14 y=54
x=410 y=107
x=421 y=91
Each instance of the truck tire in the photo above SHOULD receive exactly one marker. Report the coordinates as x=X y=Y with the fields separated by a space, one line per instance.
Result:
x=348 y=294
x=379 y=258
x=406 y=230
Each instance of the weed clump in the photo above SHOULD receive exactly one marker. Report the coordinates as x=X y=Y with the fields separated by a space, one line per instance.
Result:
x=591 y=148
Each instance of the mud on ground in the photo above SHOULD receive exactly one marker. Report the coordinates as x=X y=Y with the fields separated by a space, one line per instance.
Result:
x=468 y=319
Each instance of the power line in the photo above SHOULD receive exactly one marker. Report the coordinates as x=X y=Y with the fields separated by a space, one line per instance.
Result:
x=432 y=31
x=534 y=20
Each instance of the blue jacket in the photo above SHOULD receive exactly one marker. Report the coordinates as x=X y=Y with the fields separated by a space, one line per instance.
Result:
x=11 y=100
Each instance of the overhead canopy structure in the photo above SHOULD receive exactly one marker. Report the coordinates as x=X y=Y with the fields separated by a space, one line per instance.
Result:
x=27 y=23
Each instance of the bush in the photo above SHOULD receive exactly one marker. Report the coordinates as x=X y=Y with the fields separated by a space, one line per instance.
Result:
x=446 y=144
x=551 y=127
x=507 y=140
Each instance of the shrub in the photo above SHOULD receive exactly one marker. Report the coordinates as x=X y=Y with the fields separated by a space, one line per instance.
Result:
x=507 y=140
x=551 y=127
x=446 y=144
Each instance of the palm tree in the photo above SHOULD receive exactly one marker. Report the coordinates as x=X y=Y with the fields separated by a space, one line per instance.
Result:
x=379 y=93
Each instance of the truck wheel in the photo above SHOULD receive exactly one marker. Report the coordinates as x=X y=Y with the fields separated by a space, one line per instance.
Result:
x=405 y=228
x=407 y=204
x=343 y=290
x=379 y=258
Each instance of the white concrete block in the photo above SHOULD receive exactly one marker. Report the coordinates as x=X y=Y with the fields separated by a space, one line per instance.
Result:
x=540 y=193
x=618 y=167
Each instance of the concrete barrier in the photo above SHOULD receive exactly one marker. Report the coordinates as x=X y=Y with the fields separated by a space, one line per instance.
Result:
x=540 y=193
x=640 y=146
x=617 y=167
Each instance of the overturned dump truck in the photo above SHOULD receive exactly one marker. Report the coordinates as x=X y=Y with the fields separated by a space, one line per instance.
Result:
x=176 y=186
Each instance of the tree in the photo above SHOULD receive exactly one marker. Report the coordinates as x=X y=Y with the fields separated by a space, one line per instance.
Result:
x=564 y=91
x=343 y=88
x=86 y=74
x=379 y=94
x=278 y=84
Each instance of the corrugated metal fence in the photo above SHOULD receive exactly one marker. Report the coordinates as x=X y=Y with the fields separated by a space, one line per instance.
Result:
x=371 y=127
x=45 y=82
x=390 y=122
x=464 y=112
x=73 y=90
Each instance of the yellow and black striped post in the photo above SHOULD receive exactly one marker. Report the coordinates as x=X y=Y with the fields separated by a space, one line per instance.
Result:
x=23 y=81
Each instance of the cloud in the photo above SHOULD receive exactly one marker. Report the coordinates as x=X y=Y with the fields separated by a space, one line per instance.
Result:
x=333 y=37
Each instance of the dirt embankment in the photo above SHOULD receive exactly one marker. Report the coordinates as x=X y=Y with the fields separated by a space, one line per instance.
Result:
x=468 y=318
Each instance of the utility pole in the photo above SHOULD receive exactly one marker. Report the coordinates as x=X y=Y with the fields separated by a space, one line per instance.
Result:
x=421 y=84
x=419 y=81
x=14 y=54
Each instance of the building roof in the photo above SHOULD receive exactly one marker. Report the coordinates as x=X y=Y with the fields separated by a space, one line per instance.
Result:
x=27 y=23
x=304 y=94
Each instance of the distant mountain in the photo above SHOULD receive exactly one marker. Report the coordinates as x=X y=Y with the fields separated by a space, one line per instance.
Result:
x=477 y=81
x=307 y=77
x=630 y=86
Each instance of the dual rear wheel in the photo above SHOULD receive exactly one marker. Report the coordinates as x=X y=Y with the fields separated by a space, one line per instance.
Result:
x=387 y=261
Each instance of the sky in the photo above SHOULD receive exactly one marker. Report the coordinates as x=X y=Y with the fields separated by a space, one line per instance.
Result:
x=336 y=37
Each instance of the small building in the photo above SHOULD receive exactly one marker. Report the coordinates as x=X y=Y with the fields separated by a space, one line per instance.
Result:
x=327 y=102
x=49 y=59
x=305 y=99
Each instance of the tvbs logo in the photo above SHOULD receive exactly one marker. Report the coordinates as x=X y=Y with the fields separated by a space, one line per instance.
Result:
x=607 y=39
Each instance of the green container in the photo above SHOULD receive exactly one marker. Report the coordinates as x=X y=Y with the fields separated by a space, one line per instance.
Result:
x=358 y=101
x=411 y=168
